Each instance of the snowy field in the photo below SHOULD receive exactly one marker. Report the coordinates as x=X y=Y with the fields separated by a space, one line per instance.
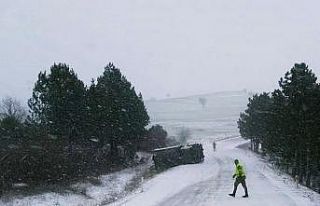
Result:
x=202 y=184
x=218 y=117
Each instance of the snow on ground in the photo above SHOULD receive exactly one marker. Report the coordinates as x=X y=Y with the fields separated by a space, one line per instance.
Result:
x=210 y=182
x=218 y=117
x=112 y=186
x=170 y=182
x=202 y=184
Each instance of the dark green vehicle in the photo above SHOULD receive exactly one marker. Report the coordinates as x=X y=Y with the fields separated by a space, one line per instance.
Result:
x=178 y=155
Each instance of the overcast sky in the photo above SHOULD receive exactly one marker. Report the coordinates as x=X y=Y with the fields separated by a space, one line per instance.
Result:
x=176 y=47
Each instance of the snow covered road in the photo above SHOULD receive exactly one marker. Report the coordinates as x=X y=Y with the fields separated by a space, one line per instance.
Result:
x=210 y=182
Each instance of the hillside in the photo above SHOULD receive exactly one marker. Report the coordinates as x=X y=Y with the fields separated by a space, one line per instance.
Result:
x=218 y=117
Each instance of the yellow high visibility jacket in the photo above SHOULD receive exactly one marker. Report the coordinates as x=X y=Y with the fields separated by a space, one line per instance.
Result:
x=239 y=171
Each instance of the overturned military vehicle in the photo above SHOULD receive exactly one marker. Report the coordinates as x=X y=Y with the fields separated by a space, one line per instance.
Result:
x=177 y=155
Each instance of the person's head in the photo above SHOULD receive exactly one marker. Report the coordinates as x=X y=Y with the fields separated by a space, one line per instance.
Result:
x=236 y=161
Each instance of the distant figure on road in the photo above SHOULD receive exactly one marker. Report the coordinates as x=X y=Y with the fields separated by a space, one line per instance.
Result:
x=240 y=178
x=214 y=145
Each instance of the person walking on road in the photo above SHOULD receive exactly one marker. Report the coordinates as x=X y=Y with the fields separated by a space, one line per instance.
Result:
x=214 y=146
x=240 y=179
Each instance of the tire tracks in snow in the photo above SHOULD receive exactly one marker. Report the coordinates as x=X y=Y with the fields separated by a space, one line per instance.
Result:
x=204 y=192
x=215 y=190
x=265 y=187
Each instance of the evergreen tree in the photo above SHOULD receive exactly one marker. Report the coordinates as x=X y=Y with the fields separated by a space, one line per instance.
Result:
x=253 y=122
x=95 y=118
x=300 y=88
x=287 y=124
x=58 y=102
x=118 y=110
x=158 y=136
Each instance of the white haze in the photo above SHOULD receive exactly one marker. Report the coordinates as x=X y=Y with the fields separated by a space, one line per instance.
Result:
x=176 y=47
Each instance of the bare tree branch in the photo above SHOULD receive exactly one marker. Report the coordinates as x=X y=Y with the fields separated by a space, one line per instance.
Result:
x=11 y=107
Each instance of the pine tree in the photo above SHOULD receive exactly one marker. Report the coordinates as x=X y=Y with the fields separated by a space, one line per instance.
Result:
x=289 y=127
x=95 y=118
x=58 y=102
x=157 y=137
x=120 y=112
x=253 y=122
x=300 y=88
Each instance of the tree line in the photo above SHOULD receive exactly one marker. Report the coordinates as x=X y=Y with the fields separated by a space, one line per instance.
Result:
x=284 y=125
x=72 y=130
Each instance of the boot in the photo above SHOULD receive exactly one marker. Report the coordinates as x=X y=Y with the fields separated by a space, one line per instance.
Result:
x=245 y=196
x=232 y=195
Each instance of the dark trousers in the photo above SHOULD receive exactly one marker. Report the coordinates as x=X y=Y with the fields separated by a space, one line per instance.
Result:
x=241 y=180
